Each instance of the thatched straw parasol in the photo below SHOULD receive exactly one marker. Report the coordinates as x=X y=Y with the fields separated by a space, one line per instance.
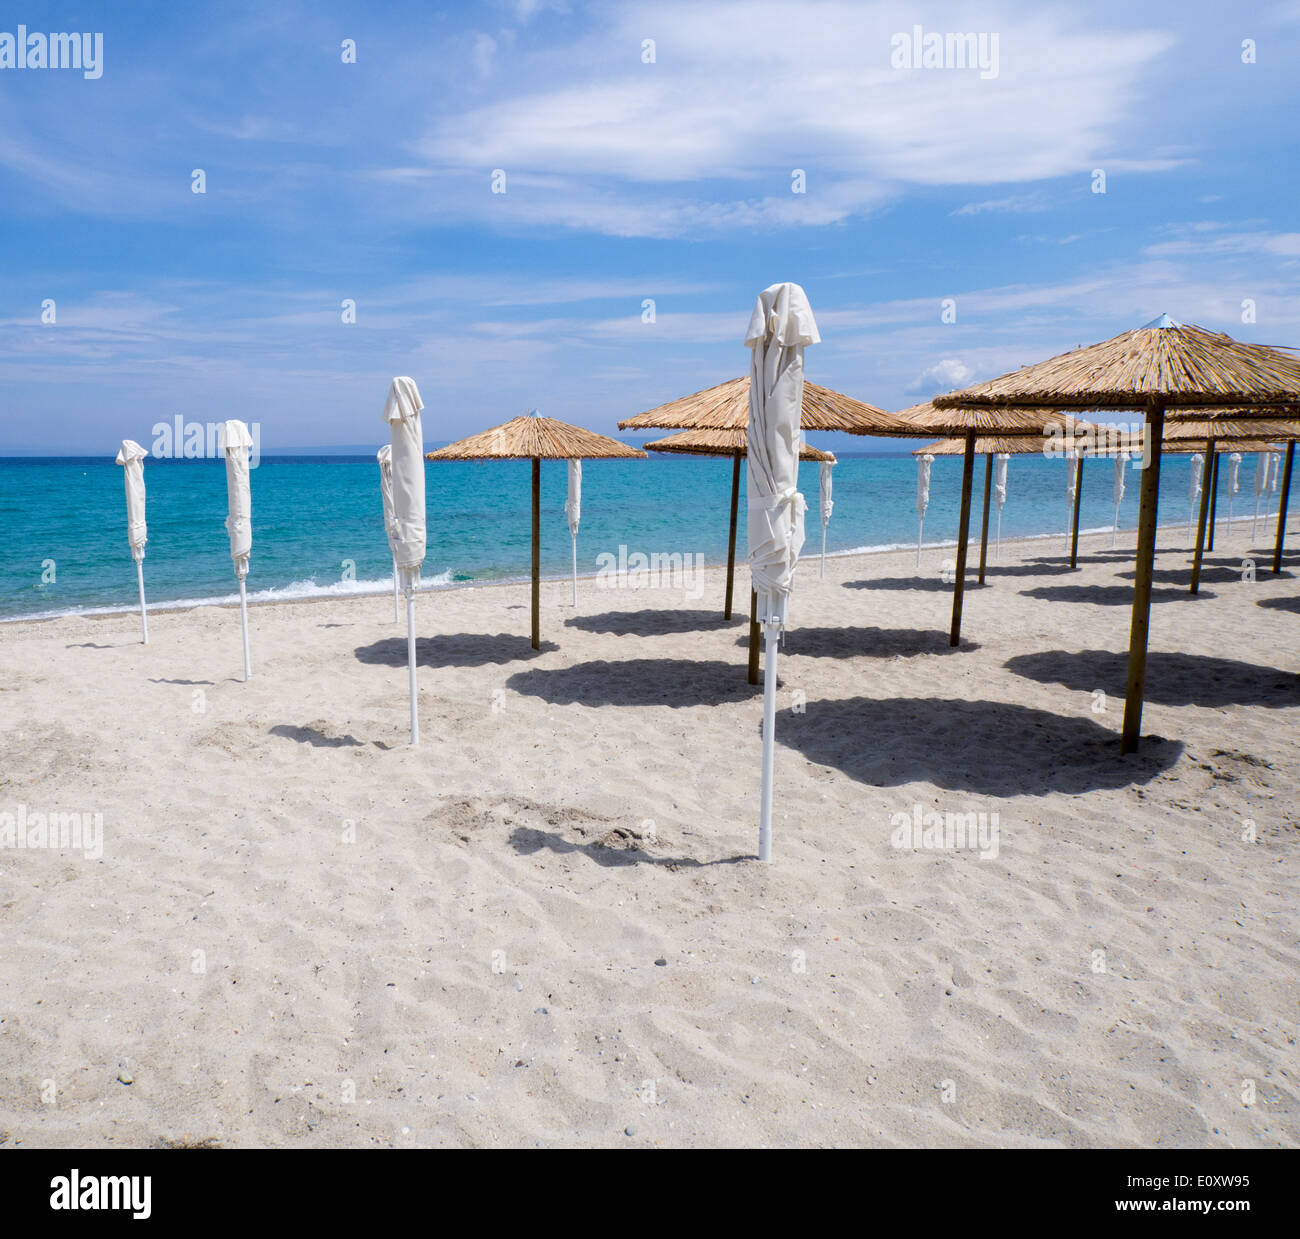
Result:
x=1161 y=365
x=726 y=408
x=536 y=438
x=731 y=441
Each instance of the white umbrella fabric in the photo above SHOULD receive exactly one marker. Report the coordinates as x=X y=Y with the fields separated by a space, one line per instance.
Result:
x=234 y=441
x=1121 y=463
x=781 y=326
x=923 y=464
x=1234 y=482
x=131 y=457
x=827 y=504
x=1071 y=482
x=385 y=458
x=402 y=413
x=999 y=497
x=1194 y=488
x=573 y=510
x=1262 y=460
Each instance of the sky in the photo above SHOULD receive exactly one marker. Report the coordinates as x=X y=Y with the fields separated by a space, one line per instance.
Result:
x=661 y=164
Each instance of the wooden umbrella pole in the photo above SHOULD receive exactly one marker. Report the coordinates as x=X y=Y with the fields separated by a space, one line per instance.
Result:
x=963 y=534
x=984 y=528
x=1074 y=520
x=1283 y=495
x=1203 y=514
x=731 y=540
x=537 y=553
x=1214 y=502
x=1145 y=566
x=753 y=637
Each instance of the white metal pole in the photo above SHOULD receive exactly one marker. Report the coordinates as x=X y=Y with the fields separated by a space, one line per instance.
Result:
x=920 y=533
x=410 y=660
x=575 y=569
x=243 y=623
x=395 y=612
x=1114 y=533
x=822 y=571
x=144 y=614
x=769 y=740
x=997 y=538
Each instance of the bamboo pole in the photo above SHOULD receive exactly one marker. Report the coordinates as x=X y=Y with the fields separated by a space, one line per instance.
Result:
x=1074 y=520
x=753 y=637
x=537 y=553
x=1214 y=501
x=1203 y=515
x=963 y=534
x=984 y=527
x=1140 y=626
x=1283 y=496
x=731 y=540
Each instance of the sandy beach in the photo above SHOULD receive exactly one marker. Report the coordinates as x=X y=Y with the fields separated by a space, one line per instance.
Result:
x=545 y=926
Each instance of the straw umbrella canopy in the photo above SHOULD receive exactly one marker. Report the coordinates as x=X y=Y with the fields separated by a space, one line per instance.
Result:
x=725 y=408
x=537 y=438
x=1159 y=366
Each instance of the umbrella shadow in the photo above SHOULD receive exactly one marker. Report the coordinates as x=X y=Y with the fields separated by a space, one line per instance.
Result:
x=961 y=745
x=461 y=649
x=94 y=645
x=1219 y=573
x=672 y=682
x=652 y=623
x=317 y=738
x=1043 y=569
x=866 y=642
x=931 y=584
x=1280 y=604
x=1110 y=595
x=1172 y=679
x=152 y=680
x=528 y=841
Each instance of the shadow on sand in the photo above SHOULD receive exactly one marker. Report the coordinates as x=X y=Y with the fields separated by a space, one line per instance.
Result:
x=1281 y=604
x=461 y=649
x=528 y=841
x=673 y=682
x=652 y=623
x=315 y=737
x=1173 y=679
x=991 y=748
x=1110 y=595
x=866 y=642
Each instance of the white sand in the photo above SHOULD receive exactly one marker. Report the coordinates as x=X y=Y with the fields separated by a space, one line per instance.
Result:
x=824 y=999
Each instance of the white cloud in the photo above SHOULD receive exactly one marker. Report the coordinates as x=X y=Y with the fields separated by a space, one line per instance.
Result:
x=940 y=377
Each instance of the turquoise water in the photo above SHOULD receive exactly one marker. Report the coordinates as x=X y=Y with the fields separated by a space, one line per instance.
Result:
x=65 y=520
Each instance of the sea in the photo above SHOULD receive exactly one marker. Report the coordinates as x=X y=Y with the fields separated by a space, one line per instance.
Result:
x=318 y=523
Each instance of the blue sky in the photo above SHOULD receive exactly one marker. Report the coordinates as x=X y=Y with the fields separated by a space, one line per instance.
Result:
x=625 y=180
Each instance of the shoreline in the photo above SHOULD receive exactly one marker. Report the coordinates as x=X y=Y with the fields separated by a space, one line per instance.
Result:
x=376 y=590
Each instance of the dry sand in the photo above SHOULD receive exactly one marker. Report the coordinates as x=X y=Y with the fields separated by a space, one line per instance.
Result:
x=545 y=925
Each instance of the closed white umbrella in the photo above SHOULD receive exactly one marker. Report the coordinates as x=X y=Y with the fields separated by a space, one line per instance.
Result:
x=999 y=497
x=402 y=413
x=1071 y=481
x=923 y=464
x=385 y=457
x=1121 y=463
x=1234 y=482
x=1274 y=474
x=780 y=327
x=131 y=458
x=824 y=478
x=573 y=510
x=1194 y=488
x=1262 y=460
x=234 y=440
